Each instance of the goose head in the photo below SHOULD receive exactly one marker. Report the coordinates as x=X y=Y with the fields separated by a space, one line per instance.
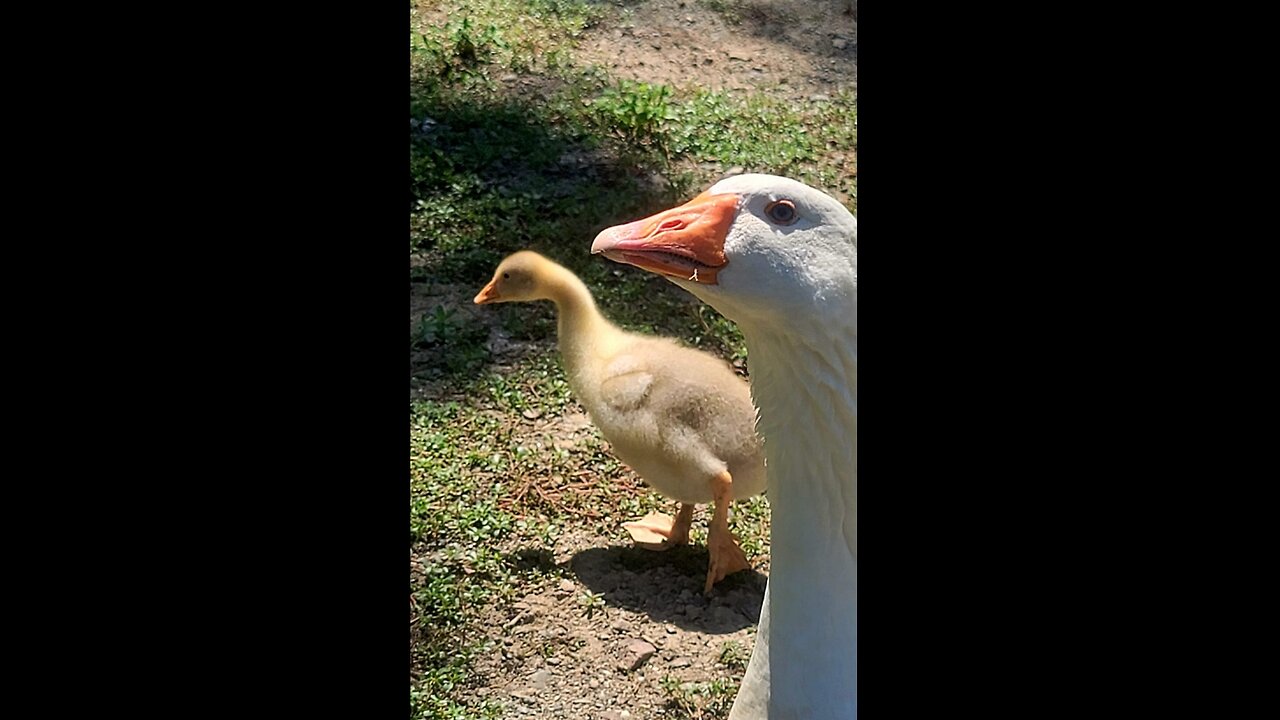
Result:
x=758 y=248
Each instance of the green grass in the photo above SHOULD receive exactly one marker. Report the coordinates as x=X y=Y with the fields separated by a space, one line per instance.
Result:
x=457 y=531
x=698 y=700
x=514 y=143
x=734 y=655
x=452 y=524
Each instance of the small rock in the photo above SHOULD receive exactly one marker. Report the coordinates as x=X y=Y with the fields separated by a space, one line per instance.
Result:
x=620 y=625
x=532 y=413
x=593 y=684
x=735 y=170
x=671 y=630
x=739 y=54
x=680 y=662
x=539 y=679
x=641 y=647
x=692 y=611
x=839 y=43
x=638 y=653
x=553 y=661
x=566 y=584
x=510 y=77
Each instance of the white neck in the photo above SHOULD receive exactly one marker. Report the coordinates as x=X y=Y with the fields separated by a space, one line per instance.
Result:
x=807 y=377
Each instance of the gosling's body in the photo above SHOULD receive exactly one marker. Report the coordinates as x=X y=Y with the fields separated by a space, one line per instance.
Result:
x=674 y=415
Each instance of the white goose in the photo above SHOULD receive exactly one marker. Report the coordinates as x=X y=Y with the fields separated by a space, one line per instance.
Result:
x=781 y=260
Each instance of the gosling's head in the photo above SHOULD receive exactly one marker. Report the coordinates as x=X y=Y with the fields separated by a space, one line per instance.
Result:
x=519 y=278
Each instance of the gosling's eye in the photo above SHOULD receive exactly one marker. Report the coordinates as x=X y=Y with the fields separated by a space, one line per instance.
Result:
x=506 y=276
x=782 y=212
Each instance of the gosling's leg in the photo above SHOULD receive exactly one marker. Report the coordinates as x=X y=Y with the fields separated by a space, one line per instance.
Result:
x=726 y=557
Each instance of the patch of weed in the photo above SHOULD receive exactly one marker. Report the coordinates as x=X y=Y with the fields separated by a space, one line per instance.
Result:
x=699 y=700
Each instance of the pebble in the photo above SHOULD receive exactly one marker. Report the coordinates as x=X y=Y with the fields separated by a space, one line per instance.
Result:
x=539 y=679
x=638 y=653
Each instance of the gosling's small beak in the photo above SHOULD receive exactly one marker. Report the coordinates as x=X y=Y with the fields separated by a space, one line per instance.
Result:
x=685 y=242
x=488 y=294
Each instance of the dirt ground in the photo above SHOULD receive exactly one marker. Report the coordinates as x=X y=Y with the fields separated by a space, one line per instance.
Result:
x=556 y=661
x=552 y=659
x=796 y=48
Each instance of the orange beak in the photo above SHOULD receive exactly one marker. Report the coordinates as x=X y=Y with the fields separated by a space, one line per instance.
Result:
x=488 y=294
x=685 y=242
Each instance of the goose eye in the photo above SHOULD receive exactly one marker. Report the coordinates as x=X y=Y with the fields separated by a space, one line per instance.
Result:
x=506 y=276
x=782 y=212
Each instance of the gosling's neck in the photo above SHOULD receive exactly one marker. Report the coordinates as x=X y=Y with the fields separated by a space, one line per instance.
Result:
x=583 y=333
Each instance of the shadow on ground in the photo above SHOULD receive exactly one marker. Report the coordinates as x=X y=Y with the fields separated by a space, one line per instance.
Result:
x=667 y=586
x=774 y=21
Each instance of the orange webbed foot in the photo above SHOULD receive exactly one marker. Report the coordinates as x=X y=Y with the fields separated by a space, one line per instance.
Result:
x=658 y=531
x=726 y=557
